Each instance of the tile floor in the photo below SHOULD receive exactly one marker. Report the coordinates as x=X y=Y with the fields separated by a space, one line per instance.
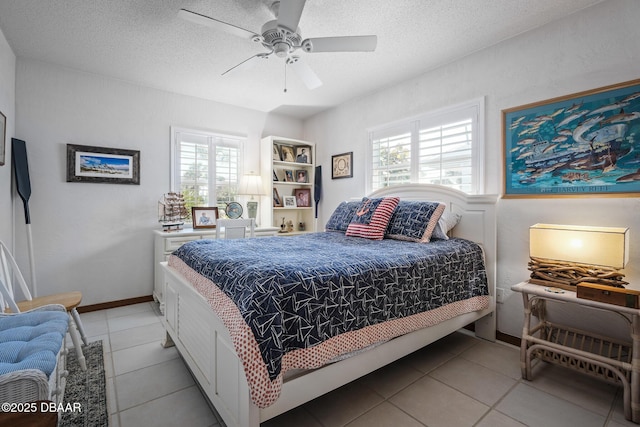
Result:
x=458 y=381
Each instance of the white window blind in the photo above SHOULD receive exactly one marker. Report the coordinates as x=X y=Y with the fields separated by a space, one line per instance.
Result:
x=205 y=167
x=444 y=147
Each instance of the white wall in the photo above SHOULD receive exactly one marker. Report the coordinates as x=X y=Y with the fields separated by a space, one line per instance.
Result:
x=98 y=238
x=8 y=108
x=592 y=48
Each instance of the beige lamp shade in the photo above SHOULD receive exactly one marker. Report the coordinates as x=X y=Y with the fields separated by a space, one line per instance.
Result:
x=251 y=185
x=605 y=246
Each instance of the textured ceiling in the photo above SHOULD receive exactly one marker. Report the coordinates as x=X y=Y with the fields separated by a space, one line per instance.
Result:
x=145 y=42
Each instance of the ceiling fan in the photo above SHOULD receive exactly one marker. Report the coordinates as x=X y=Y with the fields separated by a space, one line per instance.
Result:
x=282 y=38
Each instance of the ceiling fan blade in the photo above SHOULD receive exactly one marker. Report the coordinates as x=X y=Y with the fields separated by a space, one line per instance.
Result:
x=289 y=13
x=216 y=24
x=306 y=74
x=247 y=63
x=341 y=44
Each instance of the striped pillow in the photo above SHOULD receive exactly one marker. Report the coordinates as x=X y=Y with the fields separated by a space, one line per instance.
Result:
x=415 y=221
x=372 y=217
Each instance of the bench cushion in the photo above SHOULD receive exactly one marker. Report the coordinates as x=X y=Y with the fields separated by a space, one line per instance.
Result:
x=32 y=340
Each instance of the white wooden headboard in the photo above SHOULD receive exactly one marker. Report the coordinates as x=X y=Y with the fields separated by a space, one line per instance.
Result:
x=478 y=216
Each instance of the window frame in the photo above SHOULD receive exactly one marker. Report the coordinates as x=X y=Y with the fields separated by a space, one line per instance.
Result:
x=439 y=117
x=210 y=137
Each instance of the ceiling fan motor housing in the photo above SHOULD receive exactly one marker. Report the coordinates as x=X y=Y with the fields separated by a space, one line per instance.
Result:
x=279 y=39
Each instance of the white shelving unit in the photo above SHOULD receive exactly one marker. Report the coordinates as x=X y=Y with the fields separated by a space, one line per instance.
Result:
x=274 y=165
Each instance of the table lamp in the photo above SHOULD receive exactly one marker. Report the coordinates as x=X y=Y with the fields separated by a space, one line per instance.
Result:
x=251 y=185
x=564 y=255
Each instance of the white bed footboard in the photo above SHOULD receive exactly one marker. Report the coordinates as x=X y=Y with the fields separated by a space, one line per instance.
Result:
x=206 y=345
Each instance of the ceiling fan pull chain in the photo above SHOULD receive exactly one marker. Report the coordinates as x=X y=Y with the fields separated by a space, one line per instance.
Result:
x=285 y=76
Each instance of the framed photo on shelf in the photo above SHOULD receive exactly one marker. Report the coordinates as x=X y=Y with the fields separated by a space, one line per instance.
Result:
x=342 y=165
x=582 y=144
x=303 y=154
x=102 y=165
x=289 y=201
x=288 y=175
x=204 y=217
x=301 y=176
x=277 y=201
x=286 y=153
x=303 y=197
x=276 y=153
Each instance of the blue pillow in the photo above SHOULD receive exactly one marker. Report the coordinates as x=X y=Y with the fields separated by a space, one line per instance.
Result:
x=342 y=216
x=414 y=221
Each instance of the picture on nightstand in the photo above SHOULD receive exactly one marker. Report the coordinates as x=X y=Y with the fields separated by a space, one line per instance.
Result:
x=204 y=217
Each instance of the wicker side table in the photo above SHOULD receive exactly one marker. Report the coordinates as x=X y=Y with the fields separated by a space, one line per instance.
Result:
x=599 y=356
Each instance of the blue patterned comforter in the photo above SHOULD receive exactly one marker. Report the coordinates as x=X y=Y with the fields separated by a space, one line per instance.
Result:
x=295 y=292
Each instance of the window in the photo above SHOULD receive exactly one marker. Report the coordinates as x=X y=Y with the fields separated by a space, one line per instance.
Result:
x=205 y=167
x=444 y=147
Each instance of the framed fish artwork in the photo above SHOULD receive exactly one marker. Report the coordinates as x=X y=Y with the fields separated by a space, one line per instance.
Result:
x=583 y=144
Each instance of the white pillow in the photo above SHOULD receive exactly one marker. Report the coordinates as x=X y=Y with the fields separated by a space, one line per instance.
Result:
x=447 y=221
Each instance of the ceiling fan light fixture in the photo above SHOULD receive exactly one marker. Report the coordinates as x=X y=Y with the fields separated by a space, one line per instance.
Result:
x=281 y=49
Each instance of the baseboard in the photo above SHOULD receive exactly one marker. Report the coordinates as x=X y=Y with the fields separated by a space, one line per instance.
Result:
x=500 y=336
x=114 y=304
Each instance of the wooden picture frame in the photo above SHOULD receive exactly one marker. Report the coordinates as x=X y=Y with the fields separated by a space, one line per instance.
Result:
x=303 y=197
x=289 y=201
x=102 y=165
x=582 y=144
x=276 y=153
x=3 y=137
x=303 y=154
x=302 y=176
x=277 y=201
x=204 y=217
x=287 y=154
x=288 y=175
x=342 y=165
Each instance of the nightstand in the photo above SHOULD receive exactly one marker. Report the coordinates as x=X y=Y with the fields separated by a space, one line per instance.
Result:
x=165 y=242
x=599 y=356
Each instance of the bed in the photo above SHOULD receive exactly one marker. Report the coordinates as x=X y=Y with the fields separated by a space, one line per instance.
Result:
x=251 y=376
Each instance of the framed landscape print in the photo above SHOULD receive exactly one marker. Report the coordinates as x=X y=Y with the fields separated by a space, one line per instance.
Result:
x=100 y=164
x=587 y=143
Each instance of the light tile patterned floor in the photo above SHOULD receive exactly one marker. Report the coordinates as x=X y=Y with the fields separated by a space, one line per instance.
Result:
x=458 y=381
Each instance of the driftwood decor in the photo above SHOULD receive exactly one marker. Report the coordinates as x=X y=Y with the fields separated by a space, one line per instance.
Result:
x=566 y=275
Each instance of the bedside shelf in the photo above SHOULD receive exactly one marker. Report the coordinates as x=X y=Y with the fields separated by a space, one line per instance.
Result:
x=596 y=355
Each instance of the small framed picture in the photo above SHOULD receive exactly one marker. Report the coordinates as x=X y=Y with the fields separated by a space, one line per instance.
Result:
x=303 y=155
x=303 y=197
x=204 y=217
x=301 y=176
x=289 y=201
x=277 y=201
x=288 y=175
x=342 y=166
x=276 y=153
x=275 y=176
x=286 y=153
